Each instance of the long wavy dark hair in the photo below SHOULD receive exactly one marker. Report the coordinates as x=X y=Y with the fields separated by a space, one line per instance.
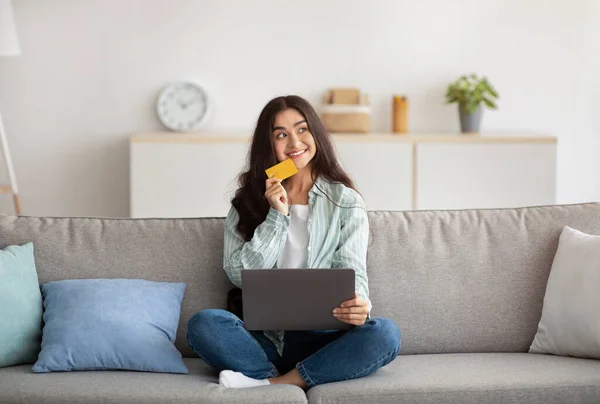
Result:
x=249 y=199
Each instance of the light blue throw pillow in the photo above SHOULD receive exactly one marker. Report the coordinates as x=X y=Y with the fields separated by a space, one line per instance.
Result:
x=20 y=306
x=101 y=324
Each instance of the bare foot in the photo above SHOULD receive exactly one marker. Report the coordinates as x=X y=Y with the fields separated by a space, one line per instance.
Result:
x=291 y=377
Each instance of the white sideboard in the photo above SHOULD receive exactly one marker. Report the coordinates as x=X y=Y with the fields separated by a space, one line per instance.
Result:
x=194 y=175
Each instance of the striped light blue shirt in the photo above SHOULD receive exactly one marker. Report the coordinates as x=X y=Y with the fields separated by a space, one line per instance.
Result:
x=338 y=236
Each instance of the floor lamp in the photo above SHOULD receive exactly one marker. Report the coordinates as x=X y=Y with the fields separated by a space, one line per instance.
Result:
x=9 y=46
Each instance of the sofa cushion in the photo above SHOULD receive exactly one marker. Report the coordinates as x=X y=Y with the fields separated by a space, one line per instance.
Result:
x=163 y=250
x=20 y=306
x=494 y=378
x=95 y=324
x=467 y=280
x=19 y=384
x=570 y=324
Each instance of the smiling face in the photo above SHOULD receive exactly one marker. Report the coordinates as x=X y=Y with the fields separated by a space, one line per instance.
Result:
x=291 y=138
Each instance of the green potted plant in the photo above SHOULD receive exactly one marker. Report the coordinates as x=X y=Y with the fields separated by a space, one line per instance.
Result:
x=471 y=93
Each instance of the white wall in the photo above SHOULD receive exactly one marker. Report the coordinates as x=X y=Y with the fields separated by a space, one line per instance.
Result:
x=594 y=77
x=91 y=70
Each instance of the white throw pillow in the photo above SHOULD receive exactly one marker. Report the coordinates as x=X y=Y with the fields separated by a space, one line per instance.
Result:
x=570 y=323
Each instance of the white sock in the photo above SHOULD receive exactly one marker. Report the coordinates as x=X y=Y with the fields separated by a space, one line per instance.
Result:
x=229 y=378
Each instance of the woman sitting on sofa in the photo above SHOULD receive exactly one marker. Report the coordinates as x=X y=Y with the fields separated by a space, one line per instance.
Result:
x=269 y=225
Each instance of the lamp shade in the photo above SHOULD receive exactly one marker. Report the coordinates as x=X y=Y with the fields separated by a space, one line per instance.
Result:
x=9 y=43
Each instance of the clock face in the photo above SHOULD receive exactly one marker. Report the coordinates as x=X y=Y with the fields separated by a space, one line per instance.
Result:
x=183 y=106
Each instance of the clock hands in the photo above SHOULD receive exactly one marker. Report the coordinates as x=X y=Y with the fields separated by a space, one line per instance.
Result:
x=187 y=104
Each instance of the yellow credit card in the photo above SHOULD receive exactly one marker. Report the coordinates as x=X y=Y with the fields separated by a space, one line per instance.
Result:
x=283 y=170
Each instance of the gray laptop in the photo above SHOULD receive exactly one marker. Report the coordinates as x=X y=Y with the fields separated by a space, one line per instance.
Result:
x=295 y=299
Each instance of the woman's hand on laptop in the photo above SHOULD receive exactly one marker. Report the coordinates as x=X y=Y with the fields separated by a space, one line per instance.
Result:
x=353 y=311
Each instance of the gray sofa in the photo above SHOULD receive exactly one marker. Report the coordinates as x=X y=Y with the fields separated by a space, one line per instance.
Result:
x=465 y=287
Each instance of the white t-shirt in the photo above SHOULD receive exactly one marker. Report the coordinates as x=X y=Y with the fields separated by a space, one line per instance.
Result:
x=295 y=251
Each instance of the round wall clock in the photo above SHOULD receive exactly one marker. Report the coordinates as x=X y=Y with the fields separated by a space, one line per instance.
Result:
x=183 y=106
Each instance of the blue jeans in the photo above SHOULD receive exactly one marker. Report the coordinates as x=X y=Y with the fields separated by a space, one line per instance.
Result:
x=220 y=339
